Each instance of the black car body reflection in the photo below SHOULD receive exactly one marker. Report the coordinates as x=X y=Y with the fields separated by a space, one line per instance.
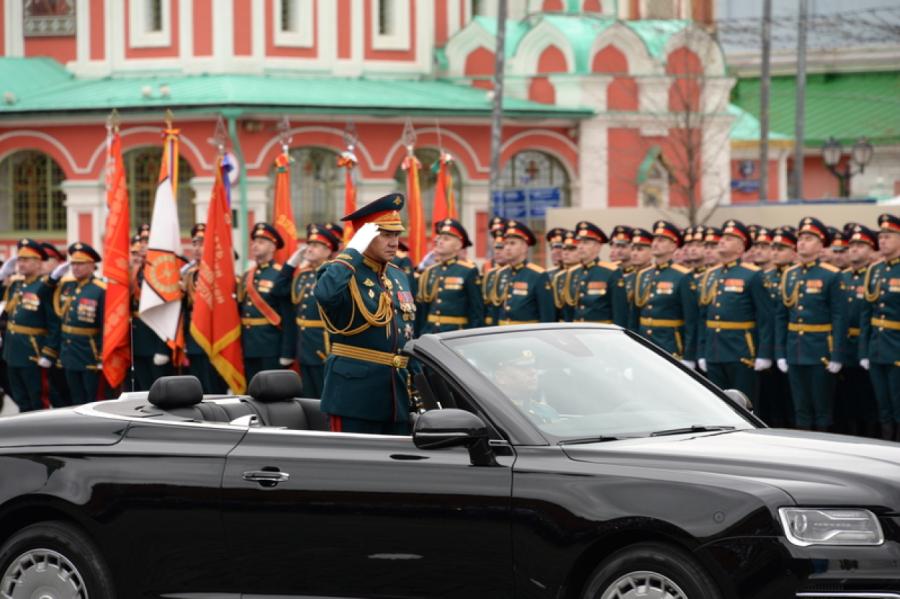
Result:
x=564 y=493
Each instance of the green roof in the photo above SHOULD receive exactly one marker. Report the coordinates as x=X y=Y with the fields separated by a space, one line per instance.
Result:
x=746 y=127
x=656 y=34
x=845 y=105
x=58 y=91
x=515 y=31
x=581 y=32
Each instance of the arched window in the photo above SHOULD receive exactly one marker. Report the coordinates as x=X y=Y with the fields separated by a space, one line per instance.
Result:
x=317 y=186
x=654 y=184
x=31 y=198
x=428 y=179
x=142 y=174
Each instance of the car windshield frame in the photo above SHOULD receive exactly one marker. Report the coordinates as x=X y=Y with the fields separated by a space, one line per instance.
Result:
x=743 y=420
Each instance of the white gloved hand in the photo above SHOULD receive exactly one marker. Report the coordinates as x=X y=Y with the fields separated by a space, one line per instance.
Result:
x=761 y=364
x=834 y=367
x=44 y=362
x=690 y=364
x=295 y=258
x=782 y=365
x=187 y=267
x=864 y=363
x=99 y=366
x=8 y=268
x=160 y=359
x=285 y=361
x=702 y=363
x=362 y=238
x=60 y=271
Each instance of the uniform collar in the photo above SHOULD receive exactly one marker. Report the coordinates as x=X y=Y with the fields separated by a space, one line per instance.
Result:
x=374 y=264
x=263 y=265
x=31 y=279
x=894 y=261
x=628 y=269
x=591 y=263
x=519 y=266
x=811 y=263
x=449 y=262
x=861 y=270
x=664 y=265
x=730 y=264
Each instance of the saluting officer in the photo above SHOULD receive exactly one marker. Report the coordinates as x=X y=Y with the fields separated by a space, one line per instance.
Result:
x=561 y=282
x=306 y=331
x=665 y=306
x=262 y=311
x=199 y=364
x=811 y=328
x=59 y=396
x=369 y=311
x=597 y=286
x=736 y=317
x=449 y=294
x=856 y=411
x=525 y=295
x=879 y=345
x=78 y=306
x=28 y=300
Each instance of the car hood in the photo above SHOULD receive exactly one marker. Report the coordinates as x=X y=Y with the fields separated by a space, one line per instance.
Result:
x=813 y=468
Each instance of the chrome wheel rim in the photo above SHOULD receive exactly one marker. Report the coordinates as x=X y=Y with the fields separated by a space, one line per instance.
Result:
x=643 y=585
x=42 y=574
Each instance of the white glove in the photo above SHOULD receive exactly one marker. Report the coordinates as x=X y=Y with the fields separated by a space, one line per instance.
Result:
x=834 y=367
x=362 y=238
x=44 y=362
x=285 y=361
x=99 y=366
x=187 y=267
x=702 y=363
x=690 y=364
x=8 y=268
x=761 y=364
x=295 y=258
x=782 y=365
x=864 y=363
x=160 y=359
x=60 y=271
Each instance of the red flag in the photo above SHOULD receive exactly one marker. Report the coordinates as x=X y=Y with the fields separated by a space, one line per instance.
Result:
x=347 y=160
x=284 y=214
x=215 y=322
x=444 y=205
x=412 y=165
x=116 y=354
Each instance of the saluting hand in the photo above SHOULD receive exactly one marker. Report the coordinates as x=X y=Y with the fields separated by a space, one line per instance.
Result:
x=362 y=238
x=60 y=271
x=9 y=267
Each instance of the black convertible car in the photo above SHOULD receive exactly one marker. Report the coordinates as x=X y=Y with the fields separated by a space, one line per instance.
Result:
x=552 y=461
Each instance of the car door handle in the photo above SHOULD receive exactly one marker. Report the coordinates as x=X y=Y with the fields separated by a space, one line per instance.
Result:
x=266 y=478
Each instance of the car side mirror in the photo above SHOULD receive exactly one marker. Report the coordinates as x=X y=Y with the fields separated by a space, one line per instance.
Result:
x=740 y=398
x=438 y=429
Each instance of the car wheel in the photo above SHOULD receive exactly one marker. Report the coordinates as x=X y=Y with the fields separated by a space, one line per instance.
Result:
x=650 y=571
x=53 y=559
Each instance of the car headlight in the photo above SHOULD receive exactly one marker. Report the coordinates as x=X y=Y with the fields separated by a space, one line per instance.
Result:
x=830 y=526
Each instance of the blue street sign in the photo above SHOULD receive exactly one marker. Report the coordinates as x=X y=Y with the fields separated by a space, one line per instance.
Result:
x=745 y=185
x=528 y=203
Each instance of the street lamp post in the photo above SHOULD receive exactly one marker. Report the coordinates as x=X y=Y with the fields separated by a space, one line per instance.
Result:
x=860 y=156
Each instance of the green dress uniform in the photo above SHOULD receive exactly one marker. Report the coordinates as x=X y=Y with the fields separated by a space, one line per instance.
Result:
x=526 y=296
x=774 y=405
x=198 y=360
x=856 y=412
x=78 y=306
x=493 y=286
x=561 y=286
x=879 y=338
x=665 y=308
x=263 y=314
x=449 y=297
x=306 y=330
x=145 y=343
x=29 y=308
x=736 y=319
x=599 y=293
x=810 y=332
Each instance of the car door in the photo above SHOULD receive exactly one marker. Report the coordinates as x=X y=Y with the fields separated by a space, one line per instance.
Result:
x=352 y=515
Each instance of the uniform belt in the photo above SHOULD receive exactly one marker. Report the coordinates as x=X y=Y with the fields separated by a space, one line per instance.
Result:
x=504 y=323
x=886 y=324
x=255 y=322
x=83 y=331
x=369 y=355
x=440 y=319
x=661 y=322
x=731 y=325
x=853 y=332
x=809 y=328
x=309 y=324
x=23 y=330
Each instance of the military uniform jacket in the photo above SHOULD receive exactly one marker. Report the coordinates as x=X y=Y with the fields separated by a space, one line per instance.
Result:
x=736 y=316
x=144 y=340
x=526 y=296
x=369 y=308
x=78 y=309
x=561 y=286
x=855 y=292
x=263 y=314
x=772 y=283
x=879 y=338
x=599 y=294
x=493 y=290
x=665 y=308
x=449 y=297
x=28 y=305
x=629 y=278
x=306 y=330
x=810 y=321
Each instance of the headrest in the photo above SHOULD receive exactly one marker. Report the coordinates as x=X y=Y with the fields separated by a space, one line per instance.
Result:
x=275 y=385
x=168 y=392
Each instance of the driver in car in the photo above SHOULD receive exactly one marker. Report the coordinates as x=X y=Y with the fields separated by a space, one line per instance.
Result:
x=519 y=379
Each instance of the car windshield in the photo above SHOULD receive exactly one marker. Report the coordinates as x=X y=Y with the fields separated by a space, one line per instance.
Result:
x=593 y=384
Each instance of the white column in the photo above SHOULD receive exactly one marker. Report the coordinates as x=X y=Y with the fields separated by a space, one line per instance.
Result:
x=715 y=173
x=202 y=187
x=783 y=175
x=257 y=200
x=85 y=198
x=592 y=188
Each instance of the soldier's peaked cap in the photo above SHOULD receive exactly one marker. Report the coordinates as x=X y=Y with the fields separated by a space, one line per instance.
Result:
x=810 y=224
x=81 y=252
x=322 y=234
x=518 y=229
x=384 y=212
x=29 y=248
x=451 y=226
x=267 y=231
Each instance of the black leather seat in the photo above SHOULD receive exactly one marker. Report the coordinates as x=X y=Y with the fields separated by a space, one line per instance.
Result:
x=272 y=394
x=182 y=396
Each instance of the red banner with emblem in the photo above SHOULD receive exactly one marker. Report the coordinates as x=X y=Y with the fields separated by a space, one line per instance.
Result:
x=284 y=213
x=215 y=321
x=347 y=161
